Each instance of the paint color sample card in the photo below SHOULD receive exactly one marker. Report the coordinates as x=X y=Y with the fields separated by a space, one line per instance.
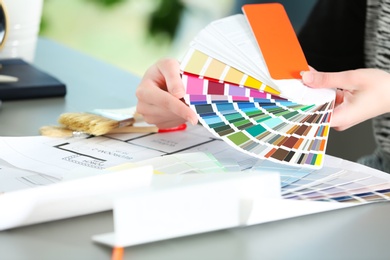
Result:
x=342 y=184
x=277 y=40
x=184 y=164
x=228 y=84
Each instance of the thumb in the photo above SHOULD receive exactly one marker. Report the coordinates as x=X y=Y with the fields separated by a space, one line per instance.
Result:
x=316 y=79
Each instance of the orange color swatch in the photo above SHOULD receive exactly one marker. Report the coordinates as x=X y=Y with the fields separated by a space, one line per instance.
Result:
x=277 y=40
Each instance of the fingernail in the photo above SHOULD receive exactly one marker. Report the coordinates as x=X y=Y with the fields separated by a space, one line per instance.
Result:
x=192 y=121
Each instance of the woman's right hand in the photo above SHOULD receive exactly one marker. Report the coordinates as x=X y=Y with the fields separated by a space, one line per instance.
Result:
x=160 y=96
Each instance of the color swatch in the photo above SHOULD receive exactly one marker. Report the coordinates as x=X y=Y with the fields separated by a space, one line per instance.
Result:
x=278 y=120
x=186 y=163
x=330 y=184
x=259 y=123
x=277 y=40
x=205 y=66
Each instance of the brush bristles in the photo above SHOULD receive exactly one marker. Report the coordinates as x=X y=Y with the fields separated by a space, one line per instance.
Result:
x=55 y=131
x=88 y=123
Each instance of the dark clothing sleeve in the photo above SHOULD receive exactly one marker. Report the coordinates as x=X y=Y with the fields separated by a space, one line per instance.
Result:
x=333 y=35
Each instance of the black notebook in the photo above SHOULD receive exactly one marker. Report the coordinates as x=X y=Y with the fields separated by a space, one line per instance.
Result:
x=32 y=83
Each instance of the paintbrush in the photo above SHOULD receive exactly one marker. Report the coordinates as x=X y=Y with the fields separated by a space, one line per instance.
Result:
x=62 y=131
x=92 y=124
x=103 y=121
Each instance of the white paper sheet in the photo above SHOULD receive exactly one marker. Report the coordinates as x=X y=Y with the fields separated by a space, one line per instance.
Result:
x=70 y=198
x=212 y=203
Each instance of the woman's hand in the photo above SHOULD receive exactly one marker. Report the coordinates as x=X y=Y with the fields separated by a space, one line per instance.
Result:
x=160 y=96
x=361 y=94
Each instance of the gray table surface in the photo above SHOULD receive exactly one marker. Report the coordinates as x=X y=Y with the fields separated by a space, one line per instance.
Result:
x=354 y=233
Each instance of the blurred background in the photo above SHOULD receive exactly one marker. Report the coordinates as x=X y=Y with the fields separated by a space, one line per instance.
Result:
x=131 y=34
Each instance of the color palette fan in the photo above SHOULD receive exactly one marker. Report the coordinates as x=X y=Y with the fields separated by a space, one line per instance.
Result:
x=241 y=75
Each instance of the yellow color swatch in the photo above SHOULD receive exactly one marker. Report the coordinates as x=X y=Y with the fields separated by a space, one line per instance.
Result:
x=204 y=66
